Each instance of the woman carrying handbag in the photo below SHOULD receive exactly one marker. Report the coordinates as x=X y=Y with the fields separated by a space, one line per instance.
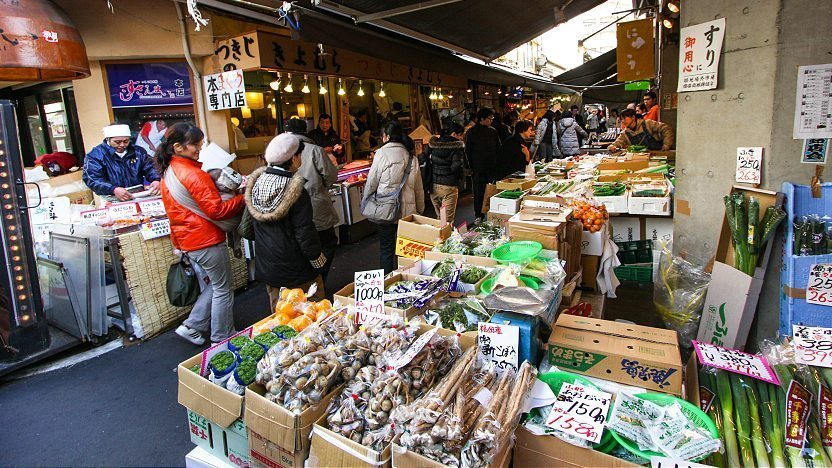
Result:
x=393 y=190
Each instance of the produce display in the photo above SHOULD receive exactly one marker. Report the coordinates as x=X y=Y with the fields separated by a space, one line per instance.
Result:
x=402 y=294
x=480 y=241
x=469 y=274
x=294 y=311
x=510 y=194
x=459 y=314
x=608 y=189
x=553 y=187
x=749 y=233
x=812 y=235
x=593 y=216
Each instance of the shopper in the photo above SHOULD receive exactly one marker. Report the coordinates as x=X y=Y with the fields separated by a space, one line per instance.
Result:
x=117 y=164
x=481 y=146
x=503 y=130
x=579 y=120
x=387 y=176
x=327 y=138
x=514 y=153
x=320 y=174
x=641 y=110
x=637 y=131
x=446 y=155
x=289 y=251
x=593 y=123
x=615 y=119
x=569 y=134
x=546 y=137
x=651 y=102
x=195 y=210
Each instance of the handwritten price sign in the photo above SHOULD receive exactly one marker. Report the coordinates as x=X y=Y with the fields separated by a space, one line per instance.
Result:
x=580 y=412
x=749 y=165
x=735 y=361
x=819 y=289
x=369 y=295
x=812 y=345
x=499 y=344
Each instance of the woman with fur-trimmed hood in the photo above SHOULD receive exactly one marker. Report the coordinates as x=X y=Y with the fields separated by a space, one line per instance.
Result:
x=288 y=248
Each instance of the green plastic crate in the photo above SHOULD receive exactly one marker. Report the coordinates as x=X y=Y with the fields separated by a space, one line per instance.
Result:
x=643 y=273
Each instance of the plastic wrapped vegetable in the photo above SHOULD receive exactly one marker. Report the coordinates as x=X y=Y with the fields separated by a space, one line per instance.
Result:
x=251 y=351
x=284 y=332
x=221 y=365
x=472 y=274
x=238 y=342
x=307 y=381
x=267 y=340
x=243 y=375
x=679 y=294
x=444 y=268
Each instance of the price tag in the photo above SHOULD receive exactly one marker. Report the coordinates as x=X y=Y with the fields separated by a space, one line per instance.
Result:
x=123 y=210
x=369 y=295
x=154 y=229
x=580 y=412
x=749 y=165
x=664 y=462
x=819 y=289
x=94 y=216
x=812 y=345
x=738 y=362
x=152 y=207
x=498 y=343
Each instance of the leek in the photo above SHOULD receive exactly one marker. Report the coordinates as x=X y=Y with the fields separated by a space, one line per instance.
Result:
x=723 y=383
x=757 y=443
x=742 y=420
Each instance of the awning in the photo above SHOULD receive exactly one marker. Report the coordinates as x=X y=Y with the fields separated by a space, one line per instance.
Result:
x=596 y=81
x=484 y=29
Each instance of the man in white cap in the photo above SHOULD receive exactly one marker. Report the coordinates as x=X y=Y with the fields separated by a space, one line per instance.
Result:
x=117 y=164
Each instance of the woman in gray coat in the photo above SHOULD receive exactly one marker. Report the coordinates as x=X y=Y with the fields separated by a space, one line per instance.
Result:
x=568 y=131
x=546 y=138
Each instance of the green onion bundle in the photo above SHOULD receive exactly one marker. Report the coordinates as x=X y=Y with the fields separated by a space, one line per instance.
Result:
x=749 y=234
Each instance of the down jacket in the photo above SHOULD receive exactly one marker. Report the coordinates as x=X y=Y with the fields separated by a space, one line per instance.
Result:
x=288 y=247
x=188 y=230
x=386 y=175
x=104 y=170
x=568 y=131
x=446 y=153
x=319 y=173
x=540 y=131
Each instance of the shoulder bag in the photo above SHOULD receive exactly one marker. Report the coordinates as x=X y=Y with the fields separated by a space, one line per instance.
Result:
x=182 y=283
x=385 y=209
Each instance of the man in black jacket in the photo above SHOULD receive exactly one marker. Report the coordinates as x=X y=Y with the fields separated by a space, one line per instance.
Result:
x=579 y=119
x=514 y=154
x=481 y=146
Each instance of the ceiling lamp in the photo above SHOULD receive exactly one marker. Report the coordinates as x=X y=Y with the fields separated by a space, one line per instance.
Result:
x=468 y=90
x=321 y=89
x=360 y=88
x=440 y=96
x=673 y=6
x=432 y=96
x=305 y=89
x=288 y=87
x=382 y=93
x=341 y=91
x=275 y=85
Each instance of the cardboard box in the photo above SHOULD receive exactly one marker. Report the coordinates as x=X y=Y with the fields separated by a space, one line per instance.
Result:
x=199 y=458
x=657 y=206
x=425 y=268
x=549 y=234
x=423 y=229
x=404 y=458
x=627 y=228
x=516 y=183
x=229 y=446
x=589 y=271
x=343 y=295
x=658 y=230
x=546 y=450
x=592 y=243
x=202 y=396
x=629 y=354
x=504 y=205
x=629 y=177
x=615 y=205
x=570 y=249
x=624 y=165
x=411 y=249
x=731 y=300
x=499 y=219
x=278 y=437
x=469 y=259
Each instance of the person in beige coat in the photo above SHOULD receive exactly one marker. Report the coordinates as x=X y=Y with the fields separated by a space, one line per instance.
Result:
x=386 y=175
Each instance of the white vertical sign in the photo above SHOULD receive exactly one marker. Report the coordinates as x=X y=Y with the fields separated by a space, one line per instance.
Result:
x=813 y=102
x=369 y=294
x=819 y=289
x=499 y=344
x=749 y=165
x=701 y=46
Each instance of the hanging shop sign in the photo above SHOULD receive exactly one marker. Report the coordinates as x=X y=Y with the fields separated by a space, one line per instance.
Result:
x=701 y=46
x=149 y=84
x=635 y=52
x=256 y=50
x=812 y=116
x=226 y=90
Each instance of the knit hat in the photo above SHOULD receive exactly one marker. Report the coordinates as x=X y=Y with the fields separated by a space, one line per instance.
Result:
x=296 y=126
x=282 y=148
x=111 y=131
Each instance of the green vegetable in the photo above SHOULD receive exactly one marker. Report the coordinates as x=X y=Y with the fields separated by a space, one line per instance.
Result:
x=757 y=441
x=747 y=234
x=284 y=331
x=773 y=217
x=247 y=370
x=611 y=189
x=472 y=274
x=452 y=314
x=636 y=148
x=772 y=431
x=194 y=368
x=267 y=339
x=444 y=268
x=240 y=341
x=708 y=380
x=723 y=383
x=253 y=351
x=742 y=420
x=222 y=360
x=510 y=194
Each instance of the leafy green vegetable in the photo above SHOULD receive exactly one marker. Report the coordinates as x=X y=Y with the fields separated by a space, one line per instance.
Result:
x=443 y=269
x=472 y=274
x=723 y=385
x=284 y=331
x=252 y=350
x=223 y=360
x=240 y=341
x=452 y=314
x=247 y=370
x=194 y=368
x=267 y=339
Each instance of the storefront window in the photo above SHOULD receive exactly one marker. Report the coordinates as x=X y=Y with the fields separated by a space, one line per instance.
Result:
x=56 y=121
x=30 y=106
x=48 y=121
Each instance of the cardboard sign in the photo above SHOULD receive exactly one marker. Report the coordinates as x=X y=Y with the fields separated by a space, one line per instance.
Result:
x=749 y=165
x=499 y=344
x=664 y=462
x=738 y=362
x=51 y=210
x=825 y=415
x=122 y=210
x=798 y=401
x=153 y=207
x=369 y=294
x=812 y=345
x=221 y=346
x=155 y=229
x=635 y=54
x=819 y=289
x=580 y=412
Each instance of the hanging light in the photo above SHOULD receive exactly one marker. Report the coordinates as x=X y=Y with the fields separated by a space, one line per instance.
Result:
x=321 y=89
x=432 y=96
x=275 y=85
x=673 y=6
x=667 y=22
x=468 y=90
x=341 y=91
x=305 y=89
x=382 y=93
x=288 y=87
x=440 y=96
x=360 y=88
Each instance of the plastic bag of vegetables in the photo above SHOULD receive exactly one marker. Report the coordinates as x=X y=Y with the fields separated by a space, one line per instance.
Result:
x=221 y=366
x=243 y=375
x=679 y=294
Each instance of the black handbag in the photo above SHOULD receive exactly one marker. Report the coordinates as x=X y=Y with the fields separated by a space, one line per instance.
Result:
x=182 y=284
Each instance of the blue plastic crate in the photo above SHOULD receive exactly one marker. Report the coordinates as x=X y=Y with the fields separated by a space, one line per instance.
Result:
x=530 y=330
x=794 y=272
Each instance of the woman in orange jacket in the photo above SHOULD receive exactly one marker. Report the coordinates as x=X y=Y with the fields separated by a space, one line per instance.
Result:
x=194 y=208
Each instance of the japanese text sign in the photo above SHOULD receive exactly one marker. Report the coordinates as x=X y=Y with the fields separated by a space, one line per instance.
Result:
x=580 y=411
x=369 y=294
x=155 y=229
x=498 y=343
x=812 y=345
x=701 y=46
x=812 y=112
x=122 y=210
x=738 y=362
x=798 y=406
x=815 y=151
x=225 y=90
x=152 y=207
x=51 y=210
x=239 y=53
x=635 y=53
x=149 y=84
x=819 y=289
x=749 y=165
x=95 y=216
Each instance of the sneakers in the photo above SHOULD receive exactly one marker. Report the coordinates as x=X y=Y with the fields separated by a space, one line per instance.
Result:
x=194 y=336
